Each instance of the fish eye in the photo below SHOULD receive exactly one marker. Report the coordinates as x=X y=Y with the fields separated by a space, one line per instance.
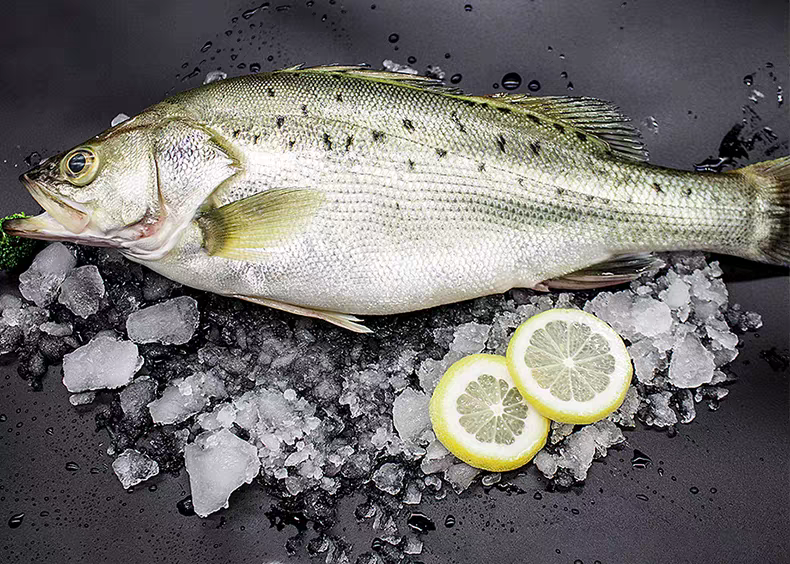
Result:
x=80 y=166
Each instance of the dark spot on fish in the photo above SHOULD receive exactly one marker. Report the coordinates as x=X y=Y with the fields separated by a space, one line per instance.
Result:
x=535 y=146
x=236 y=133
x=378 y=135
x=256 y=139
x=521 y=182
x=607 y=201
x=687 y=192
x=500 y=142
x=630 y=200
x=535 y=119
x=441 y=152
x=470 y=103
x=327 y=142
x=503 y=109
x=560 y=191
x=339 y=97
x=559 y=127
x=481 y=167
x=408 y=125
x=582 y=137
x=280 y=121
x=291 y=143
x=304 y=109
x=411 y=164
x=657 y=188
x=349 y=141
x=457 y=121
x=270 y=92
x=397 y=206
x=589 y=197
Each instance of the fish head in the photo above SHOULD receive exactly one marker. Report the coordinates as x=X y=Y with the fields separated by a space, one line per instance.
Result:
x=134 y=187
x=103 y=192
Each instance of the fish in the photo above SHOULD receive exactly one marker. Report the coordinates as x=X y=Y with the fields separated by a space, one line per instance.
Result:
x=336 y=192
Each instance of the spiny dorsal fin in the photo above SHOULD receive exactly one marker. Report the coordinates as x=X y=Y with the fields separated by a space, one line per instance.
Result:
x=592 y=116
x=617 y=270
x=365 y=73
x=250 y=227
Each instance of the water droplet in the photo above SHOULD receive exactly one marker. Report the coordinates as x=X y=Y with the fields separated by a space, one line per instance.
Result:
x=713 y=490
x=411 y=60
x=538 y=496
x=252 y=11
x=495 y=86
x=372 y=6
x=511 y=81
x=50 y=431
x=748 y=80
x=643 y=497
x=562 y=56
x=694 y=490
x=660 y=471
x=242 y=66
x=468 y=7
x=449 y=522
x=44 y=514
x=376 y=544
x=447 y=55
x=16 y=520
x=3 y=418
x=780 y=97
x=394 y=37
x=152 y=488
x=285 y=7
x=229 y=32
x=570 y=86
x=577 y=561
x=185 y=506
x=420 y=523
x=533 y=85
x=255 y=67
x=309 y=3
x=94 y=471
x=72 y=466
x=563 y=74
x=456 y=78
x=206 y=46
x=33 y=159
x=640 y=459
x=195 y=72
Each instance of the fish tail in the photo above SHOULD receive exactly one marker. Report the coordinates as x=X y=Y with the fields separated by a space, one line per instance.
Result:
x=771 y=180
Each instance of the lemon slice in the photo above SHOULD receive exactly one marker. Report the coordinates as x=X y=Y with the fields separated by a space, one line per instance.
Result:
x=570 y=365
x=478 y=414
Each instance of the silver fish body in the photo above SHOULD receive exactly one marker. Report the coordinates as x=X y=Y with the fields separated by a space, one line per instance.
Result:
x=371 y=193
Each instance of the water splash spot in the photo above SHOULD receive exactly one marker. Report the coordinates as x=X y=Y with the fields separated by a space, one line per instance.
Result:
x=456 y=78
x=16 y=520
x=511 y=81
x=393 y=38
x=533 y=85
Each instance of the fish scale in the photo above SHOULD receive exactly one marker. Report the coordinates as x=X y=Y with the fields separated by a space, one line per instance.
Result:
x=344 y=190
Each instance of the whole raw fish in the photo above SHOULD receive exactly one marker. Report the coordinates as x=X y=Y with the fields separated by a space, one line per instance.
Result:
x=335 y=191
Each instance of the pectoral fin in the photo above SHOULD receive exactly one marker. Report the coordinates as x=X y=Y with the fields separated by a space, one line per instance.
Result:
x=247 y=228
x=617 y=270
x=344 y=320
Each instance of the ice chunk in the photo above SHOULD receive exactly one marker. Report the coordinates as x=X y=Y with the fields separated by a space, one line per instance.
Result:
x=651 y=317
x=136 y=396
x=575 y=456
x=624 y=416
x=460 y=476
x=691 y=364
x=660 y=414
x=413 y=494
x=647 y=360
x=40 y=283
x=686 y=406
x=57 y=329
x=82 y=398
x=413 y=545
x=392 y=66
x=677 y=294
x=218 y=462
x=214 y=76
x=186 y=396
x=171 y=323
x=105 y=362
x=133 y=467
x=437 y=458
x=82 y=290
x=389 y=477
x=410 y=414
x=120 y=118
x=470 y=338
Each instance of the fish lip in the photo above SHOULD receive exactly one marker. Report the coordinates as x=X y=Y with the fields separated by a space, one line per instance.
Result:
x=46 y=228
x=72 y=216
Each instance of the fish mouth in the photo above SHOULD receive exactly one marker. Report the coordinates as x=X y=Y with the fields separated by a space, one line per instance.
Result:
x=71 y=216
x=61 y=220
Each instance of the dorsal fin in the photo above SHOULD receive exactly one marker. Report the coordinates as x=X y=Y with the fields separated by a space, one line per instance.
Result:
x=400 y=78
x=598 y=118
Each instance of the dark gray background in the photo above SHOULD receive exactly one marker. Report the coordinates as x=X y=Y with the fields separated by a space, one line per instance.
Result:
x=67 y=68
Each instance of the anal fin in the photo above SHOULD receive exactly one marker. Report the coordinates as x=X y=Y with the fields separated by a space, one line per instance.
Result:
x=617 y=270
x=344 y=320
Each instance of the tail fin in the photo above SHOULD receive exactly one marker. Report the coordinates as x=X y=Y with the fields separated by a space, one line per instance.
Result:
x=772 y=181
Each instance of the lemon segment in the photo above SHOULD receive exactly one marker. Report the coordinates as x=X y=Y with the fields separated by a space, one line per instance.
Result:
x=570 y=365
x=479 y=415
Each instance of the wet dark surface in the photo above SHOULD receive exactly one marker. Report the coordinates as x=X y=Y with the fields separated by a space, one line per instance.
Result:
x=716 y=492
